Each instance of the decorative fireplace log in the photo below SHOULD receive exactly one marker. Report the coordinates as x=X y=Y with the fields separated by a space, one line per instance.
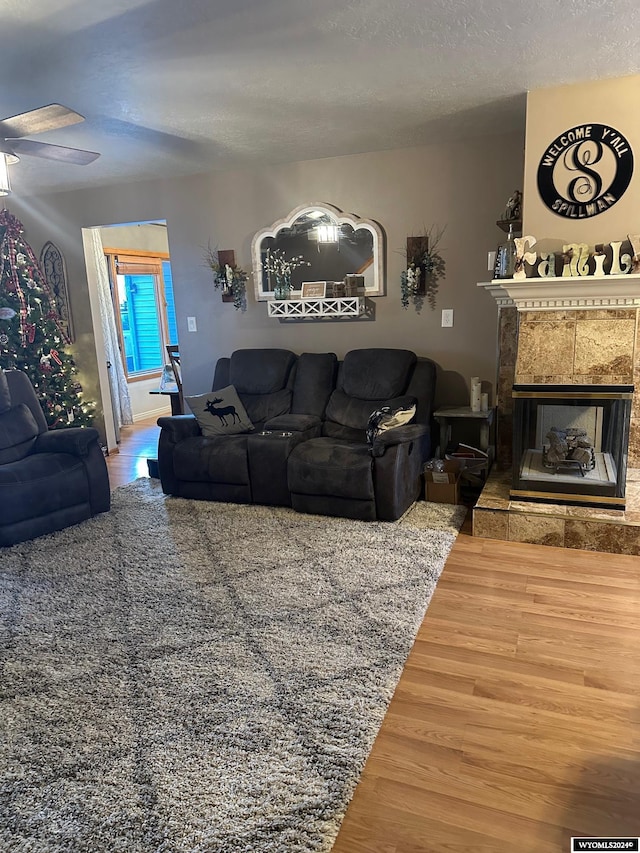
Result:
x=569 y=448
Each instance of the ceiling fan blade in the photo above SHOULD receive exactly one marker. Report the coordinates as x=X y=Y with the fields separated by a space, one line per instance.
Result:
x=52 y=152
x=50 y=117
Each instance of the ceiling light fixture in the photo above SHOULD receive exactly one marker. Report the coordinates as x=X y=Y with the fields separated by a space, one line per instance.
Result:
x=327 y=233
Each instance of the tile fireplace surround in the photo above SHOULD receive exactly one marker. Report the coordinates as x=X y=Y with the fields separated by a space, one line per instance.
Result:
x=564 y=331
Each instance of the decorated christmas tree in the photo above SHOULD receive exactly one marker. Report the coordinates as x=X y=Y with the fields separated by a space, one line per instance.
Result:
x=31 y=336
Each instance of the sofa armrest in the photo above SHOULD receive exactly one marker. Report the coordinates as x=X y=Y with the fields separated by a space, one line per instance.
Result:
x=76 y=440
x=173 y=430
x=179 y=427
x=293 y=423
x=398 y=435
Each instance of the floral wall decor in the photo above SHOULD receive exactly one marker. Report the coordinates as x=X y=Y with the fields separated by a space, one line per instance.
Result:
x=425 y=266
x=227 y=277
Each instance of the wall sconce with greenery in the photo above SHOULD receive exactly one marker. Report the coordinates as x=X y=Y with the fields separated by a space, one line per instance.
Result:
x=425 y=266
x=227 y=277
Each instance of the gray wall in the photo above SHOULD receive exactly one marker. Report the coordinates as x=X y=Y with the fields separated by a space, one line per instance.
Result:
x=463 y=185
x=139 y=237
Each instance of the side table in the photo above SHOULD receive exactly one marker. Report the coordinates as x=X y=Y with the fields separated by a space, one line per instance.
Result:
x=176 y=400
x=445 y=416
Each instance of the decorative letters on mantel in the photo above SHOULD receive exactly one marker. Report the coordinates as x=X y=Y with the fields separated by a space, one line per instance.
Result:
x=522 y=256
x=577 y=260
x=634 y=239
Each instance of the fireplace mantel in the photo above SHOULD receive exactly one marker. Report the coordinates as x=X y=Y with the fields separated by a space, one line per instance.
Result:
x=562 y=292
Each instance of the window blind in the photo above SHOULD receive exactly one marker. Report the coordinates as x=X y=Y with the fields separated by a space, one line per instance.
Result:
x=135 y=266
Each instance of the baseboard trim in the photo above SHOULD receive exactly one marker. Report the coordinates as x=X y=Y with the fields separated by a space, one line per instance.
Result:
x=154 y=413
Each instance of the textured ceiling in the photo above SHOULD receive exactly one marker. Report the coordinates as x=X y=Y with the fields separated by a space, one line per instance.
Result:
x=184 y=86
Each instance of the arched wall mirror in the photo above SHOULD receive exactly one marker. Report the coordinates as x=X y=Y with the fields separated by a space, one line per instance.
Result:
x=332 y=243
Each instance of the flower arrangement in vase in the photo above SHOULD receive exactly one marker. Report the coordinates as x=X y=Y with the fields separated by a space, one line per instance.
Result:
x=280 y=267
x=425 y=265
x=227 y=277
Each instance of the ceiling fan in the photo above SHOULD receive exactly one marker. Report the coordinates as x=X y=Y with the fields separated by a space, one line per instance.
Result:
x=51 y=117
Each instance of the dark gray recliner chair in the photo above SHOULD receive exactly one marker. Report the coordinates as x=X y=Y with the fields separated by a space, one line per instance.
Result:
x=49 y=479
x=338 y=473
x=284 y=395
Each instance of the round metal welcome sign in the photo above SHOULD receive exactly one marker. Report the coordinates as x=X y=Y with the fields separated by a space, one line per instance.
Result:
x=585 y=171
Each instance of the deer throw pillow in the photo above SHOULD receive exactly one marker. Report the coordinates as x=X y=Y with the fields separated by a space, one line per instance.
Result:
x=220 y=412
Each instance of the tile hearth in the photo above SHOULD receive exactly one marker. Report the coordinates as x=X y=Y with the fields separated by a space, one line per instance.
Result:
x=496 y=516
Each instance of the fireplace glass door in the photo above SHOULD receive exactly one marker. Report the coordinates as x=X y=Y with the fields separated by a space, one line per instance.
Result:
x=570 y=443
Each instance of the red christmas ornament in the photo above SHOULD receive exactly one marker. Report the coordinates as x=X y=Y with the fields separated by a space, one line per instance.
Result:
x=54 y=355
x=31 y=332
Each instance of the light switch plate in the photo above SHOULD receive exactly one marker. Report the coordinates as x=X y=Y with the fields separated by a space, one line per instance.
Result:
x=191 y=324
x=491 y=261
x=447 y=318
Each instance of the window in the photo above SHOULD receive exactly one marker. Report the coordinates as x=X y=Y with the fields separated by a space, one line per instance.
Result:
x=142 y=292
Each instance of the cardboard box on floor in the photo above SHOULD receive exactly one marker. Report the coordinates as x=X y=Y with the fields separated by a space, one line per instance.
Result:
x=443 y=487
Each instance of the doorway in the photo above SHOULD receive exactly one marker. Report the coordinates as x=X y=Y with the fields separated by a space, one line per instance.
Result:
x=141 y=288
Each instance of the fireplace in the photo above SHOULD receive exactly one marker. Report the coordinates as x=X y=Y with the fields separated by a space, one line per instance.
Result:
x=570 y=443
x=576 y=338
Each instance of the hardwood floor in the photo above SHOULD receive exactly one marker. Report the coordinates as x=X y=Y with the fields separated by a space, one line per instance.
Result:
x=516 y=722
x=138 y=443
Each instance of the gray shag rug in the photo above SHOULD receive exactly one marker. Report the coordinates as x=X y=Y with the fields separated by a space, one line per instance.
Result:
x=204 y=677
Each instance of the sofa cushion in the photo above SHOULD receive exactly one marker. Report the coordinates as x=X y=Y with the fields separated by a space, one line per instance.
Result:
x=220 y=412
x=18 y=432
x=314 y=382
x=22 y=391
x=353 y=412
x=5 y=395
x=293 y=423
x=376 y=374
x=261 y=371
x=263 y=407
x=344 y=433
x=212 y=459
x=41 y=484
x=327 y=466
